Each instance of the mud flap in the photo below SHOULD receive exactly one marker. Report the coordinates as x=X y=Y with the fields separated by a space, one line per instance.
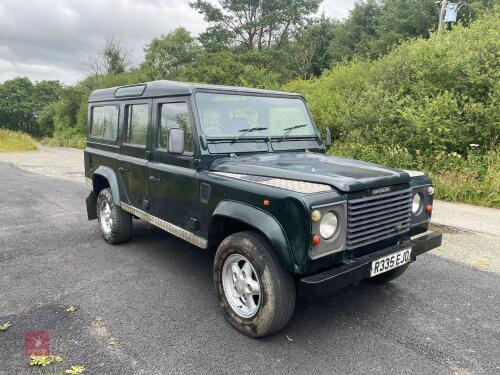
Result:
x=91 y=206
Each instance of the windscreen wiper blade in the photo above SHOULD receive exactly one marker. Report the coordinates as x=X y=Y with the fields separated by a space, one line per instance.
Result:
x=249 y=130
x=288 y=130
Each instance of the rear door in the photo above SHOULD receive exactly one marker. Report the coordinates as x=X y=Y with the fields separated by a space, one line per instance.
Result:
x=135 y=151
x=171 y=177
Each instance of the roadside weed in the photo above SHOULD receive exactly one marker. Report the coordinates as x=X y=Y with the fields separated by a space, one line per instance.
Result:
x=11 y=141
x=44 y=360
x=77 y=369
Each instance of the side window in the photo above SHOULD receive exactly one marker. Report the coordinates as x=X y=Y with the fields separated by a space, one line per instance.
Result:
x=175 y=115
x=137 y=118
x=105 y=122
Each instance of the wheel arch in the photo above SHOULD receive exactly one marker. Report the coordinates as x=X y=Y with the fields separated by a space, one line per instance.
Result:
x=104 y=177
x=231 y=217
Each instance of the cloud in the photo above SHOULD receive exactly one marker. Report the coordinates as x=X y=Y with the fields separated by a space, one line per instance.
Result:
x=62 y=34
x=338 y=9
x=51 y=39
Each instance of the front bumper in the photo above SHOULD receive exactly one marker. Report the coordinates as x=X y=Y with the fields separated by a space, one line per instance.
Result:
x=359 y=269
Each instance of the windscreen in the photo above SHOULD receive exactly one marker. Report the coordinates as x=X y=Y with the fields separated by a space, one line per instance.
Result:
x=231 y=115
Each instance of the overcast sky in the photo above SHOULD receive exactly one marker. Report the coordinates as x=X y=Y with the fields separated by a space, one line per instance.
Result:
x=51 y=39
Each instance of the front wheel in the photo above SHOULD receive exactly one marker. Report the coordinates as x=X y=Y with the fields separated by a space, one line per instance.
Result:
x=256 y=293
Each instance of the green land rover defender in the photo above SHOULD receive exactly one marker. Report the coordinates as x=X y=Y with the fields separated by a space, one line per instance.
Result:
x=243 y=173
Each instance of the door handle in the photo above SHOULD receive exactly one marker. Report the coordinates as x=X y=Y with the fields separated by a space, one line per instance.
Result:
x=123 y=169
x=154 y=179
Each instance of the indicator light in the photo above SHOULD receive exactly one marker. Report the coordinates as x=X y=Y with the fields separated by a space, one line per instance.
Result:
x=428 y=209
x=266 y=202
x=316 y=240
x=315 y=215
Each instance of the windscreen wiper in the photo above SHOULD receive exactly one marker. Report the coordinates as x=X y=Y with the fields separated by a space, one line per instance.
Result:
x=288 y=130
x=249 y=130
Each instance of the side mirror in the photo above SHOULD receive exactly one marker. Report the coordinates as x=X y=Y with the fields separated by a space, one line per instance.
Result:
x=328 y=138
x=176 y=141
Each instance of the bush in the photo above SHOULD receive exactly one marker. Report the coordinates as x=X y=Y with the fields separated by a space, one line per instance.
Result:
x=68 y=140
x=475 y=179
x=440 y=94
x=421 y=107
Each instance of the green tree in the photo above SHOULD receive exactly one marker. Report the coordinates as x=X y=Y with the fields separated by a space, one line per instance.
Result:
x=404 y=19
x=228 y=68
x=215 y=39
x=375 y=26
x=427 y=95
x=357 y=34
x=113 y=58
x=21 y=102
x=221 y=68
x=253 y=23
x=167 y=54
x=310 y=51
x=16 y=98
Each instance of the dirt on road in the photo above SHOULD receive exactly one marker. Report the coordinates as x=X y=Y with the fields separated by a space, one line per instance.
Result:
x=471 y=234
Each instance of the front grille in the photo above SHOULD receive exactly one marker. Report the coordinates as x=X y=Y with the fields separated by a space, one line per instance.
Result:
x=375 y=218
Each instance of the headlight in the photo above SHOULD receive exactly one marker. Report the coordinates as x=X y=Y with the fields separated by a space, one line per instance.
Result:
x=328 y=225
x=417 y=201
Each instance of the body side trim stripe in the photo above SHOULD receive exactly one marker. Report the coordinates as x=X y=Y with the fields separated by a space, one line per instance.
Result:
x=166 y=226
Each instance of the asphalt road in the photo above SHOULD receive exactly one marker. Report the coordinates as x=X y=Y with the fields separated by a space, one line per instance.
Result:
x=149 y=307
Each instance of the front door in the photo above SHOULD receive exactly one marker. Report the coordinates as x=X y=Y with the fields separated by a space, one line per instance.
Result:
x=171 y=177
x=135 y=143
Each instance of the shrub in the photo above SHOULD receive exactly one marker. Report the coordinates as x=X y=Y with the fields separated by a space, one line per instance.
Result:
x=475 y=179
x=440 y=94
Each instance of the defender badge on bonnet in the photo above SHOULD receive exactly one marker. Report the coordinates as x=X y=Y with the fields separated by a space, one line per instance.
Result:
x=381 y=190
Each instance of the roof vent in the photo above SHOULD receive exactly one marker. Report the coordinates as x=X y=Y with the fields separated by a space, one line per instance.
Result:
x=135 y=90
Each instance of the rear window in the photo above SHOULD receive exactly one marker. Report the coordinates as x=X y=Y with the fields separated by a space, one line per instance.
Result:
x=105 y=122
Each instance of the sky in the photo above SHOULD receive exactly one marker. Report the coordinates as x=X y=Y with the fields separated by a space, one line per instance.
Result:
x=52 y=39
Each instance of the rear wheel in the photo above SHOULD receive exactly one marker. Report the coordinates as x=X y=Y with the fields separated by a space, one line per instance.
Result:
x=255 y=292
x=114 y=223
x=389 y=275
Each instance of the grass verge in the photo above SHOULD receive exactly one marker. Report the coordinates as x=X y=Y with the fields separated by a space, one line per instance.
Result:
x=11 y=141
x=75 y=141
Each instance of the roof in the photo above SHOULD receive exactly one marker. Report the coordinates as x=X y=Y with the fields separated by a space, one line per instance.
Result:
x=173 y=88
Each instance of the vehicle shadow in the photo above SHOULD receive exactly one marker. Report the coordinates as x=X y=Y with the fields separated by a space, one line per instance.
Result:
x=334 y=312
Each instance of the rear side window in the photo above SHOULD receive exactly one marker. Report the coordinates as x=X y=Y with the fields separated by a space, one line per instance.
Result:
x=137 y=124
x=105 y=122
x=175 y=115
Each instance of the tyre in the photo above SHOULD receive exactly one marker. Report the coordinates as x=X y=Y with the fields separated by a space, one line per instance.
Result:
x=389 y=275
x=114 y=223
x=255 y=292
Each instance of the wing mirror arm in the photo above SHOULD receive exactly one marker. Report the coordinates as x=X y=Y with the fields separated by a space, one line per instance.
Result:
x=328 y=138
